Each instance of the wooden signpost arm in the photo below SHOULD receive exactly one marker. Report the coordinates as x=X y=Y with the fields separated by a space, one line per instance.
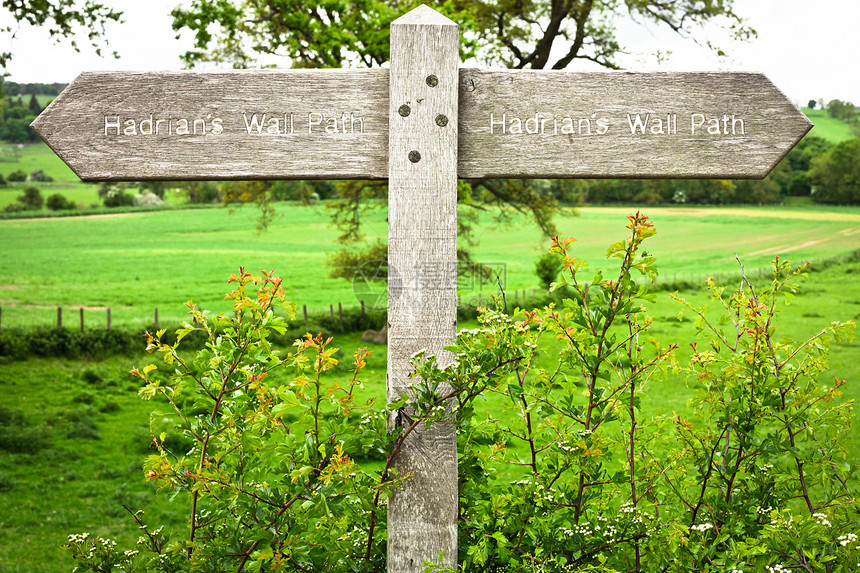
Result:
x=422 y=259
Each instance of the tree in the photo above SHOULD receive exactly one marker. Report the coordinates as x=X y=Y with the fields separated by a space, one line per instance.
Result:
x=17 y=176
x=839 y=109
x=811 y=104
x=62 y=19
x=59 y=202
x=534 y=34
x=31 y=199
x=34 y=105
x=538 y=34
x=836 y=175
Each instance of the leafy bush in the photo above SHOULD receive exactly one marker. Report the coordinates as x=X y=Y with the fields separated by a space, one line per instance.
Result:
x=836 y=174
x=202 y=191
x=17 y=176
x=31 y=199
x=39 y=176
x=547 y=269
x=14 y=208
x=58 y=202
x=114 y=194
x=755 y=479
x=269 y=468
x=18 y=344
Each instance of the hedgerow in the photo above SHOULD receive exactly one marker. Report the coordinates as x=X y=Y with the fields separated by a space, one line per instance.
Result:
x=754 y=478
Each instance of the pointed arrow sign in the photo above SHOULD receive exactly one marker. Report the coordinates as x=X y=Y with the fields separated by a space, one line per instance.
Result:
x=297 y=124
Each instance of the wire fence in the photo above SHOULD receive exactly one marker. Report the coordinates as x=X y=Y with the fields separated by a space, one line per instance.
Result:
x=104 y=317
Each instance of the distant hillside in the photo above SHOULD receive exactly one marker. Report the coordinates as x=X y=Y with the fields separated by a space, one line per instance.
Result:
x=826 y=127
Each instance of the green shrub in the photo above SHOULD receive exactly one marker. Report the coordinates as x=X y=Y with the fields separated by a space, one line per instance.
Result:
x=755 y=478
x=17 y=176
x=14 y=208
x=39 y=176
x=31 y=199
x=547 y=268
x=58 y=202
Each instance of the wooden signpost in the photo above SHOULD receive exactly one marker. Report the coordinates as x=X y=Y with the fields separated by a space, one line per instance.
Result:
x=421 y=124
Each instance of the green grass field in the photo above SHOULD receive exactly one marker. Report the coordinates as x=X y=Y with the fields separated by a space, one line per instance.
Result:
x=91 y=431
x=135 y=263
x=826 y=127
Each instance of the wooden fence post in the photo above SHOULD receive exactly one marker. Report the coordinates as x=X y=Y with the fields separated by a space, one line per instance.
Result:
x=155 y=317
x=422 y=288
x=82 y=319
x=340 y=314
x=305 y=311
x=108 y=318
x=59 y=317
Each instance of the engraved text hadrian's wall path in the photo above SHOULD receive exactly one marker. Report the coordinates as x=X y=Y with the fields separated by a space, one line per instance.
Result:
x=301 y=124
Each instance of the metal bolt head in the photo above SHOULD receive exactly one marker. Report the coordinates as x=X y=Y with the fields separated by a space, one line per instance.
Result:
x=404 y=110
x=414 y=156
x=432 y=81
x=441 y=120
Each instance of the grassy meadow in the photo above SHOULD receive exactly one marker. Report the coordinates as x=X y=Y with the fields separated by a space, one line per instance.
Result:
x=826 y=127
x=88 y=432
x=137 y=262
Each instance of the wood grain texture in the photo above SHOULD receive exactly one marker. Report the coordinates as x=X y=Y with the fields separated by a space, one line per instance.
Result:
x=598 y=102
x=79 y=125
x=583 y=124
x=422 y=262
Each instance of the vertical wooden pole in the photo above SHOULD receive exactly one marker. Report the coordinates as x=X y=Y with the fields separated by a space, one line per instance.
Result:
x=59 y=317
x=155 y=317
x=340 y=314
x=422 y=287
x=305 y=311
x=331 y=311
x=108 y=318
x=82 y=319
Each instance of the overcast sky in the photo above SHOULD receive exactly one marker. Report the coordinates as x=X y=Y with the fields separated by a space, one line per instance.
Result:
x=809 y=50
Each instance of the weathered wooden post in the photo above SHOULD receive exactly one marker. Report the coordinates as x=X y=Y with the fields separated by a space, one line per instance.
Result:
x=422 y=263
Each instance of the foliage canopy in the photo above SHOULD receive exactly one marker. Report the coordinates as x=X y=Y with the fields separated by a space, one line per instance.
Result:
x=62 y=19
